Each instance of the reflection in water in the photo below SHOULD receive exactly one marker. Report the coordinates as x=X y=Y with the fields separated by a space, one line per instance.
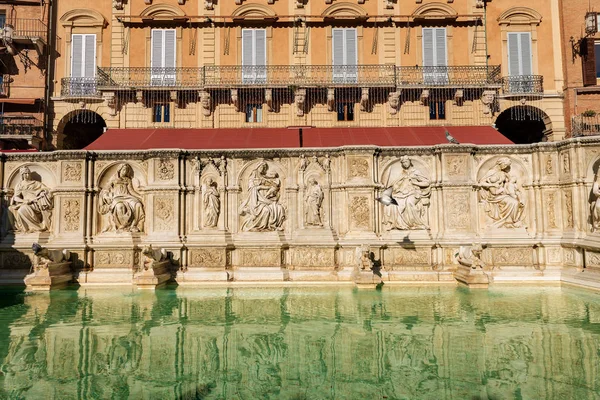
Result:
x=293 y=343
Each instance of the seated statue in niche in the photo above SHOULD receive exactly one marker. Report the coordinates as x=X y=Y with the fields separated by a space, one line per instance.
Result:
x=312 y=203
x=501 y=196
x=122 y=203
x=595 y=203
x=212 y=204
x=31 y=205
x=261 y=207
x=411 y=191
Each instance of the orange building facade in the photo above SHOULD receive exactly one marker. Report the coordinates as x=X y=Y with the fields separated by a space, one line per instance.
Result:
x=581 y=47
x=313 y=63
x=23 y=68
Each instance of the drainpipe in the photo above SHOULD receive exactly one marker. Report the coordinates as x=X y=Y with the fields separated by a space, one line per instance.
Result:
x=487 y=53
x=47 y=124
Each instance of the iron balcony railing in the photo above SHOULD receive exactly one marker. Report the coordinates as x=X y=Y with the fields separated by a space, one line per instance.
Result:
x=20 y=126
x=27 y=28
x=582 y=125
x=283 y=76
x=523 y=84
x=80 y=87
x=451 y=76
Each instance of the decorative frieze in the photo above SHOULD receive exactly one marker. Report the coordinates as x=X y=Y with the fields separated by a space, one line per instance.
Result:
x=259 y=258
x=208 y=257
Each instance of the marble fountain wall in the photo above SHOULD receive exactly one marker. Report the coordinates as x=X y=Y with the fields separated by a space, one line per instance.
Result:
x=304 y=215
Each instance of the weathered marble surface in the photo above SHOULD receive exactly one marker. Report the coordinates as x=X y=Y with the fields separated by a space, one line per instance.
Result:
x=299 y=214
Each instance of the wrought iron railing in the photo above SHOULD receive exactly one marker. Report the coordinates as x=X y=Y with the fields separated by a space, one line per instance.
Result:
x=462 y=75
x=81 y=87
x=21 y=126
x=582 y=125
x=523 y=84
x=28 y=28
x=273 y=76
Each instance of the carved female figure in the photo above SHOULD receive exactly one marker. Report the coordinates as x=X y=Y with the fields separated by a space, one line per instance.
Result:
x=122 y=203
x=31 y=205
x=212 y=204
x=261 y=208
x=411 y=190
x=312 y=203
x=595 y=203
x=501 y=196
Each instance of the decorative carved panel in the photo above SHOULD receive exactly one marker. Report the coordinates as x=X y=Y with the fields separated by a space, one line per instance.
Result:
x=260 y=257
x=164 y=214
x=313 y=257
x=208 y=257
x=71 y=213
x=513 y=256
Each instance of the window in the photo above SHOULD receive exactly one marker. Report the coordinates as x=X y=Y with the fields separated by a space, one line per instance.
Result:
x=2 y=19
x=345 y=112
x=597 y=53
x=253 y=112
x=344 y=55
x=590 y=59
x=437 y=110
x=162 y=113
x=254 y=55
x=520 y=62
x=83 y=64
x=162 y=57
x=435 y=57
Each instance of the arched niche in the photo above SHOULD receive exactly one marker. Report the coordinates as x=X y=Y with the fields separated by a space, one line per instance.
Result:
x=517 y=167
x=250 y=167
x=107 y=172
x=254 y=10
x=391 y=170
x=38 y=173
x=344 y=9
x=520 y=16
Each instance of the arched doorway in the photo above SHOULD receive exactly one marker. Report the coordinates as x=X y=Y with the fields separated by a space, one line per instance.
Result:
x=79 y=128
x=524 y=124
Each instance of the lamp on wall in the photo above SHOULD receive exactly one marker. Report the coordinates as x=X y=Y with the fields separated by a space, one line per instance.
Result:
x=591 y=23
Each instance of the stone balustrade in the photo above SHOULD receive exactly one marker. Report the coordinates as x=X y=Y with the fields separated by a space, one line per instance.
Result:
x=301 y=214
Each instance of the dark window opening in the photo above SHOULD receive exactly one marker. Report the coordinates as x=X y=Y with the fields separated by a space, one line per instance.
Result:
x=162 y=113
x=253 y=112
x=437 y=110
x=345 y=112
x=2 y=19
x=597 y=52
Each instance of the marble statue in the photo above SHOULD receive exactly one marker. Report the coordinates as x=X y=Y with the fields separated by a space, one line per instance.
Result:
x=261 y=207
x=411 y=190
x=121 y=202
x=46 y=256
x=501 y=196
x=313 y=201
x=212 y=204
x=595 y=203
x=471 y=256
x=31 y=205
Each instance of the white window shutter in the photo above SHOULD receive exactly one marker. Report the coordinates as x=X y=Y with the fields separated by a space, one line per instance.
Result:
x=351 y=51
x=260 y=48
x=169 y=48
x=525 y=39
x=77 y=56
x=440 y=47
x=247 y=47
x=514 y=63
x=338 y=47
x=428 y=53
x=156 y=57
x=89 y=65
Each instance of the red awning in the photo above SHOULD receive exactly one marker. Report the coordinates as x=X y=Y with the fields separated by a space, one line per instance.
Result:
x=278 y=138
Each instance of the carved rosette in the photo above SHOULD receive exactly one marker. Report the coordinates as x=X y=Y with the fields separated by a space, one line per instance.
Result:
x=72 y=171
x=165 y=170
x=358 y=168
x=71 y=214
x=164 y=214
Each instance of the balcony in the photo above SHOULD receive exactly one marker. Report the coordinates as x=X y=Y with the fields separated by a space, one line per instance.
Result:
x=586 y=125
x=26 y=29
x=523 y=85
x=80 y=87
x=281 y=76
x=21 y=127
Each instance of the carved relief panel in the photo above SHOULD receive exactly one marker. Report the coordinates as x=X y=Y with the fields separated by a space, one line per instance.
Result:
x=259 y=257
x=456 y=166
x=313 y=258
x=359 y=212
x=408 y=257
x=515 y=256
x=70 y=210
x=458 y=204
x=115 y=258
x=358 y=167
x=208 y=257
x=164 y=170
x=165 y=216
x=72 y=172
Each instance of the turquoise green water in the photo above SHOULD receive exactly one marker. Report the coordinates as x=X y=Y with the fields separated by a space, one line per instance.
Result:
x=293 y=343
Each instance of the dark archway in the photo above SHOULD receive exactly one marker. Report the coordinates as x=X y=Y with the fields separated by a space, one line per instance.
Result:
x=79 y=129
x=524 y=124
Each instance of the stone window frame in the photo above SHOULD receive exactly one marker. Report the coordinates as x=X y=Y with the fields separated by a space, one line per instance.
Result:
x=167 y=11
x=350 y=18
x=82 y=21
x=520 y=19
x=259 y=12
x=433 y=15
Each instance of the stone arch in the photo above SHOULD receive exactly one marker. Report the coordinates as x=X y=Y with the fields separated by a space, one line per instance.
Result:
x=520 y=15
x=162 y=10
x=254 y=9
x=517 y=166
x=39 y=173
x=83 y=17
x=344 y=9
x=79 y=128
x=388 y=170
x=524 y=124
x=435 y=10
x=247 y=169
x=107 y=171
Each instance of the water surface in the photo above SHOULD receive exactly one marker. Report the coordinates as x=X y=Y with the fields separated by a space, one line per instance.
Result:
x=301 y=343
